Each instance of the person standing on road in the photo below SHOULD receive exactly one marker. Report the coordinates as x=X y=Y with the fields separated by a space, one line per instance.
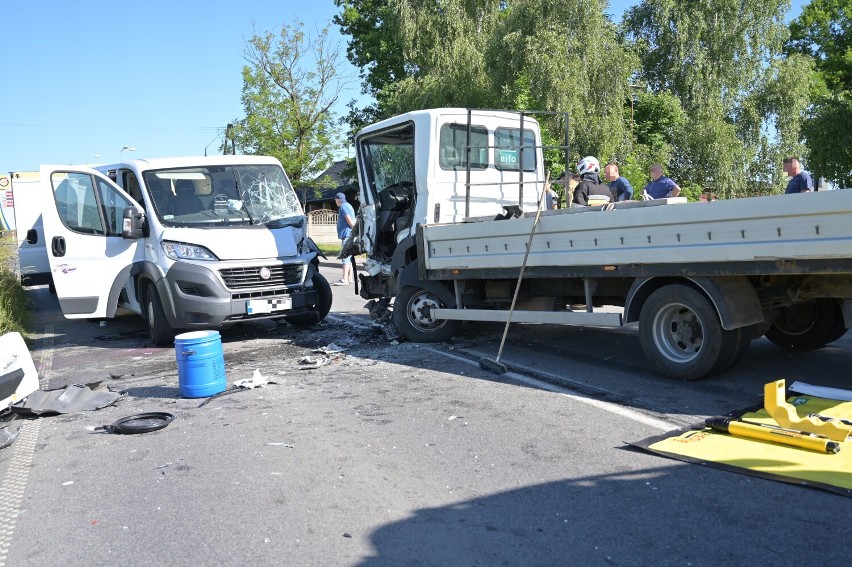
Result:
x=660 y=186
x=345 y=222
x=620 y=186
x=801 y=181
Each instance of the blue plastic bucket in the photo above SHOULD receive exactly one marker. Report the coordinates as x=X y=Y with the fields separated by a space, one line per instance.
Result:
x=201 y=364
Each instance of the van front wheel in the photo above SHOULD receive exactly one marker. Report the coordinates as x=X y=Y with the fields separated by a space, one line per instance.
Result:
x=160 y=331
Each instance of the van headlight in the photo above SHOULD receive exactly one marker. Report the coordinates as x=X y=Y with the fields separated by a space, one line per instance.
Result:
x=182 y=251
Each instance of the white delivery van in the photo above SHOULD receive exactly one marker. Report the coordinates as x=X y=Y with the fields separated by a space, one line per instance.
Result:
x=187 y=243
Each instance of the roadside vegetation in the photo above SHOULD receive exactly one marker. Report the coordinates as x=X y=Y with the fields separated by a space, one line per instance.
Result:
x=13 y=300
x=716 y=92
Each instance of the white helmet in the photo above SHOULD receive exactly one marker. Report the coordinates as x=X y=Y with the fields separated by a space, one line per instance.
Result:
x=589 y=164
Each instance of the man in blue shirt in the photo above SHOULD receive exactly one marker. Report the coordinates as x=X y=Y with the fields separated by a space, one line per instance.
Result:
x=345 y=222
x=801 y=181
x=660 y=186
x=620 y=186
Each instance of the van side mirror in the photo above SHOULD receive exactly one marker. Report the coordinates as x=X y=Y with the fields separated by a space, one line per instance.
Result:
x=133 y=221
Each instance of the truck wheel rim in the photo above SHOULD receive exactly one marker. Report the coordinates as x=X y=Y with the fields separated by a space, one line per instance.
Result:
x=419 y=311
x=678 y=333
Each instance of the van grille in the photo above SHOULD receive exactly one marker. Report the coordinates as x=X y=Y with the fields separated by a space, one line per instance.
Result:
x=242 y=278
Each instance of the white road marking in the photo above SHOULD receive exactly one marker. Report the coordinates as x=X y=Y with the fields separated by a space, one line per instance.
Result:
x=606 y=406
x=14 y=482
x=610 y=407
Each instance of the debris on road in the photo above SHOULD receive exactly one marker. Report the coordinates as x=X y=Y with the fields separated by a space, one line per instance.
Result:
x=70 y=399
x=330 y=349
x=257 y=380
x=8 y=434
x=313 y=362
x=139 y=423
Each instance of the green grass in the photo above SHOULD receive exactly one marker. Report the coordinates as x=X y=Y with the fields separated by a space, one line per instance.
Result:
x=14 y=315
x=330 y=250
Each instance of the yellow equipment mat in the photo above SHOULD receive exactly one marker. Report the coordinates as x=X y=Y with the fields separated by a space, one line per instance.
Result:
x=784 y=463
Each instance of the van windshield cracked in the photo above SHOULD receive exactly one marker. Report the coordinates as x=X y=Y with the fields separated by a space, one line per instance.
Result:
x=229 y=195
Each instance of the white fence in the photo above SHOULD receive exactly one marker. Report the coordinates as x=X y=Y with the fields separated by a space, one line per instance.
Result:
x=322 y=226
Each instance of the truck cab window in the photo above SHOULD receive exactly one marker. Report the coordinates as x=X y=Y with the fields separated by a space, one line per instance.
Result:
x=507 y=154
x=453 y=147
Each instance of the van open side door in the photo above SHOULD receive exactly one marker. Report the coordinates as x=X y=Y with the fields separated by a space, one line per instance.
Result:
x=93 y=235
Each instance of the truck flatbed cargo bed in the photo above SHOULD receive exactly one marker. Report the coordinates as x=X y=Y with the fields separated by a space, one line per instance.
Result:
x=799 y=233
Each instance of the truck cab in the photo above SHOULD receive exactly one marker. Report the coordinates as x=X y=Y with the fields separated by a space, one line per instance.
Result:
x=187 y=243
x=413 y=170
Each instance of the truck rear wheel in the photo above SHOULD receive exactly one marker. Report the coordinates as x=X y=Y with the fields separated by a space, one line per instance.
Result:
x=681 y=333
x=160 y=331
x=736 y=344
x=412 y=315
x=807 y=326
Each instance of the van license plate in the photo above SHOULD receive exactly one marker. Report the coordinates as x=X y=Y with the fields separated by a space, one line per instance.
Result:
x=260 y=306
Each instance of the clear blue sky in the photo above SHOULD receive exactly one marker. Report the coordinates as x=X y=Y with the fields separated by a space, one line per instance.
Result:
x=86 y=78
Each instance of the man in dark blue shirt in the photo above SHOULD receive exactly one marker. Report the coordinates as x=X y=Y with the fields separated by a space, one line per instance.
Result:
x=620 y=186
x=660 y=186
x=801 y=181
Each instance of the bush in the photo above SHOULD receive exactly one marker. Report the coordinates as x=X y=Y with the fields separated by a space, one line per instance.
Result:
x=14 y=315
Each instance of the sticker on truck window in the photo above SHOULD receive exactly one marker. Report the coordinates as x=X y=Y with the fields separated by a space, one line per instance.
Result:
x=261 y=306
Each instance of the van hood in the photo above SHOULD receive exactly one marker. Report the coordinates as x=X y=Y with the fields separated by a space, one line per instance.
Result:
x=240 y=243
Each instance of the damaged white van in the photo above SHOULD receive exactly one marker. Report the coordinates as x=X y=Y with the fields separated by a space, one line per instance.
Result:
x=187 y=243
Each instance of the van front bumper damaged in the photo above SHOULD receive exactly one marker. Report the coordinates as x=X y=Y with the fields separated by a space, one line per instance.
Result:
x=202 y=296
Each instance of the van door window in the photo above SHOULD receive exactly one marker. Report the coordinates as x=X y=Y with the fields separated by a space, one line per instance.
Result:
x=86 y=210
x=508 y=151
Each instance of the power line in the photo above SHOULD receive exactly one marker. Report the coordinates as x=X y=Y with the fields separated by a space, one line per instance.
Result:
x=101 y=127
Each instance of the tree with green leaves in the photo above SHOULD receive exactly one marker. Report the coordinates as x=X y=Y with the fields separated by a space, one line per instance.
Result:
x=290 y=85
x=823 y=32
x=723 y=61
x=523 y=54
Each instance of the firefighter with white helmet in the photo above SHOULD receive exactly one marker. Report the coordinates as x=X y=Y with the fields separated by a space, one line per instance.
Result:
x=591 y=190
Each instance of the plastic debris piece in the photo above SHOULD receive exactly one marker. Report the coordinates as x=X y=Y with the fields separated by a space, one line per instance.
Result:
x=139 y=423
x=257 y=380
x=70 y=399
x=311 y=363
x=331 y=348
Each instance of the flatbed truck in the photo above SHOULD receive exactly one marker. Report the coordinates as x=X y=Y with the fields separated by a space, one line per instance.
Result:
x=448 y=201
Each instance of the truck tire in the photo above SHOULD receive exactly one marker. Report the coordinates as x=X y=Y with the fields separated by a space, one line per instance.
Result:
x=807 y=326
x=737 y=343
x=411 y=315
x=681 y=334
x=322 y=307
x=159 y=330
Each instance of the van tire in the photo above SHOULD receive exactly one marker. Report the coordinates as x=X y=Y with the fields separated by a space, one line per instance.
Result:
x=412 y=318
x=322 y=307
x=159 y=330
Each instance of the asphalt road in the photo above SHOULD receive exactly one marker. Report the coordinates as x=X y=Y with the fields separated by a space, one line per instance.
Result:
x=399 y=454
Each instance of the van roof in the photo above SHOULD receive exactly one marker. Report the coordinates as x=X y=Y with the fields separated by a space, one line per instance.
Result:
x=192 y=161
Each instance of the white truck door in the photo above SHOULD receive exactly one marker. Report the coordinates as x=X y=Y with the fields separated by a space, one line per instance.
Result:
x=89 y=259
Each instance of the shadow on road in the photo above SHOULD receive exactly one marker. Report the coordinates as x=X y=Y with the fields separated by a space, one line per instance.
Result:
x=611 y=519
